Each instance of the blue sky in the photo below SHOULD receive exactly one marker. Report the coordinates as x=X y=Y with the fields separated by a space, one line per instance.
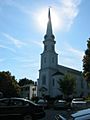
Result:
x=22 y=30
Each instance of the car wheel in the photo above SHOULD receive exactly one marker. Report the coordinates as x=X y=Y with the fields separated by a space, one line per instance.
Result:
x=27 y=117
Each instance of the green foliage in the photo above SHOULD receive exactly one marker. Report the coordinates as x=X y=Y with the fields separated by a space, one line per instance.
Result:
x=67 y=85
x=8 y=85
x=25 y=81
x=86 y=62
x=87 y=98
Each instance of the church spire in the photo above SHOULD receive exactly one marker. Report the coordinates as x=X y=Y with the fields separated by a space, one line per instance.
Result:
x=49 y=25
x=49 y=32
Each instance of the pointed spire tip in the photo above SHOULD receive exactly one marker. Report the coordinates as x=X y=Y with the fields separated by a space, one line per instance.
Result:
x=49 y=13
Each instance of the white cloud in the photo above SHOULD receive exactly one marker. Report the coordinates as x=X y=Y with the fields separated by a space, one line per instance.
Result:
x=65 y=13
x=70 y=56
x=39 y=43
x=69 y=10
x=76 y=52
x=15 y=41
x=26 y=62
x=5 y=47
x=71 y=63
x=23 y=60
x=73 y=51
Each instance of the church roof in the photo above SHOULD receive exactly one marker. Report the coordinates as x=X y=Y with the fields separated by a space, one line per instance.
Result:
x=71 y=70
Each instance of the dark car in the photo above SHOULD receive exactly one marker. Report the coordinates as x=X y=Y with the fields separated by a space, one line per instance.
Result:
x=43 y=103
x=20 y=108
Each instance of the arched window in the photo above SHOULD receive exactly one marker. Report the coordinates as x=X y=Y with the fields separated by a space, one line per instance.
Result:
x=43 y=80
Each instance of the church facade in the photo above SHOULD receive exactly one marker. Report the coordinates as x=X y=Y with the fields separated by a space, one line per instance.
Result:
x=50 y=71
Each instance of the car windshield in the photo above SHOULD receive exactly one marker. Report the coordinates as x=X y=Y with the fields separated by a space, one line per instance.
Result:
x=31 y=102
x=25 y=100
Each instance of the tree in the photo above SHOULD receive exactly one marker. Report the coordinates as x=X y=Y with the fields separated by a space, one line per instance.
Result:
x=8 y=84
x=67 y=85
x=25 y=81
x=86 y=62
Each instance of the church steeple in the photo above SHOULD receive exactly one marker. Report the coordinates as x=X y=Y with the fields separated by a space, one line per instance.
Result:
x=49 y=60
x=49 y=32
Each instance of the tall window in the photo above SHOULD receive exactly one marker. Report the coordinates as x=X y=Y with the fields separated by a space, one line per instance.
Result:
x=53 y=59
x=53 y=82
x=52 y=47
x=43 y=80
x=44 y=59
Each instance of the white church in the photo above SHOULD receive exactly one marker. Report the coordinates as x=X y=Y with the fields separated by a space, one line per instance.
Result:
x=50 y=71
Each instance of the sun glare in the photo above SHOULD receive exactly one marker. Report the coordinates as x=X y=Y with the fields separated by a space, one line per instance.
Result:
x=42 y=19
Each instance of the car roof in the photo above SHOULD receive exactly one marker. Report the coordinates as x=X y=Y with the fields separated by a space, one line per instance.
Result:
x=17 y=98
x=81 y=113
x=60 y=101
x=77 y=99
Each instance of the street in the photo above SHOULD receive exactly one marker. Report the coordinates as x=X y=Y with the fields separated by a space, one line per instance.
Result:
x=50 y=114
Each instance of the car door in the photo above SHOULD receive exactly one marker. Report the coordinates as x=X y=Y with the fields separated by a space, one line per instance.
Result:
x=16 y=107
x=4 y=107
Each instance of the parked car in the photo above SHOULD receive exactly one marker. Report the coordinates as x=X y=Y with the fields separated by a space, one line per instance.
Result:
x=79 y=115
x=78 y=103
x=21 y=108
x=43 y=103
x=60 y=104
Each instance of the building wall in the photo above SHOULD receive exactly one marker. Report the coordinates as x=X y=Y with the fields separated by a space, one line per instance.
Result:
x=27 y=91
x=81 y=85
x=52 y=81
x=47 y=73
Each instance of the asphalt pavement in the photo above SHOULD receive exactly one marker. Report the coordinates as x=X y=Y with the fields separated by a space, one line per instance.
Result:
x=51 y=113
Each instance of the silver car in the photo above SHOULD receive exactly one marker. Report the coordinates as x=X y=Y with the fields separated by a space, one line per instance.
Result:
x=60 y=104
x=78 y=103
x=79 y=115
